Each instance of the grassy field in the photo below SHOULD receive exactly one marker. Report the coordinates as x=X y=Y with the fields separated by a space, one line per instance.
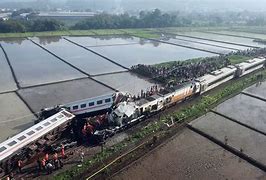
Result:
x=235 y=59
x=136 y=32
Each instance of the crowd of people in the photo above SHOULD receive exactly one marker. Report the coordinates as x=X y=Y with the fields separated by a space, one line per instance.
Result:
x=183 y=71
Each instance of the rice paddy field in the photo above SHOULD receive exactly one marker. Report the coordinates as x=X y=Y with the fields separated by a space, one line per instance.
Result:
x=39 y=70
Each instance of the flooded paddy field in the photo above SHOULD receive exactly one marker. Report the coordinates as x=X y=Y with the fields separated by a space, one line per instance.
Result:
x=34 y=66
x=257 y=90
x=190 y=156
x=244 y=34
x=78 y=57
x=114 y=40
x=148 y=53
x=251 y=143
x=213 y=43
x=7 y=82
x=211 y=48
x=126 y=82
x=224 y=38
x=62 y=93
x=245 y=109
x=14 y=116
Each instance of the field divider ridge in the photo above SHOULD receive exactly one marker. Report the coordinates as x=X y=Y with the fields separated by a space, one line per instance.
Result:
x=106 y=58
x=229 y=148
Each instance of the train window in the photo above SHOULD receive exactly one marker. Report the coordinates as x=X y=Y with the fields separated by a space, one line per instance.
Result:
x=21 y=138
x=75 y=107
x=46 y=124
x=108 y=100
x=2 y=149
x=99 y=102
x=91 y=104
x=12 y=143
x=30 y=133
x=53 y=120
x=60 y=116
x=39 y=128
x=82 y=105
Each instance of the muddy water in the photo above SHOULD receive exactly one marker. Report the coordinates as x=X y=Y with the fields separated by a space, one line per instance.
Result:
x=62 y=93
x=7 y=82
x=125 y=82
x=190 y=156
x=213 y=43
x=14 y=116
x=239 y=137
x=90 y=41
x=245 y=109
x=240 y=40
x=33 y=65
x=257 y=90
x=148 y=53
x=79 y=57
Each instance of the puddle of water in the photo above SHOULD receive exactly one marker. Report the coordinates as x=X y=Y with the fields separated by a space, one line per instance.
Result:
x=62 y=93
x=6 y=78
x=239 y=137
x=14 y=116
x=126 y=82
x=148 y=53
x=245 y=109
x=189 y=156
x=34 y=66
x=79 y=57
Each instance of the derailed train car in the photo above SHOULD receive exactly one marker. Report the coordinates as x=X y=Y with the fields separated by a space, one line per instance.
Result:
x=29 y=143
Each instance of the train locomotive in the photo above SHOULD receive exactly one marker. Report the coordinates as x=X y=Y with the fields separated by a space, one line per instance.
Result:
x=119 y=111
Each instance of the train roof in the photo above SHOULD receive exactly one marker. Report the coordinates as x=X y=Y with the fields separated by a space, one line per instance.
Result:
x=32 y=134
x=213 y=76
x=251 y=62
x=148 y=99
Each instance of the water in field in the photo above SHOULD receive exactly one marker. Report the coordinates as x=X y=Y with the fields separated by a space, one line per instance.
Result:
x=7 y=82
x=62 y=93
x=252 y=144
x=244 y=34
x=113 y=40
x=245 y=109
x=148 y=53
x=212 y=43
x=214 y=49
x=224 y=38
x=78 y=56
x=14 y=116
x=257 y=90
x=189 y=156
x=126 y=82
x=34 y=66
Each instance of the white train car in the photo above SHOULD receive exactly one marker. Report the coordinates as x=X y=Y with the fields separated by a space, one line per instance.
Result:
x=91 y=104
x=31 y=135
x=250 y=66
x=214 y=79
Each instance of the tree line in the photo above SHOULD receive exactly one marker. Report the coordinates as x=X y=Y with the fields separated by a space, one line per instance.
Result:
x=15 y=26
x=152 y=19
